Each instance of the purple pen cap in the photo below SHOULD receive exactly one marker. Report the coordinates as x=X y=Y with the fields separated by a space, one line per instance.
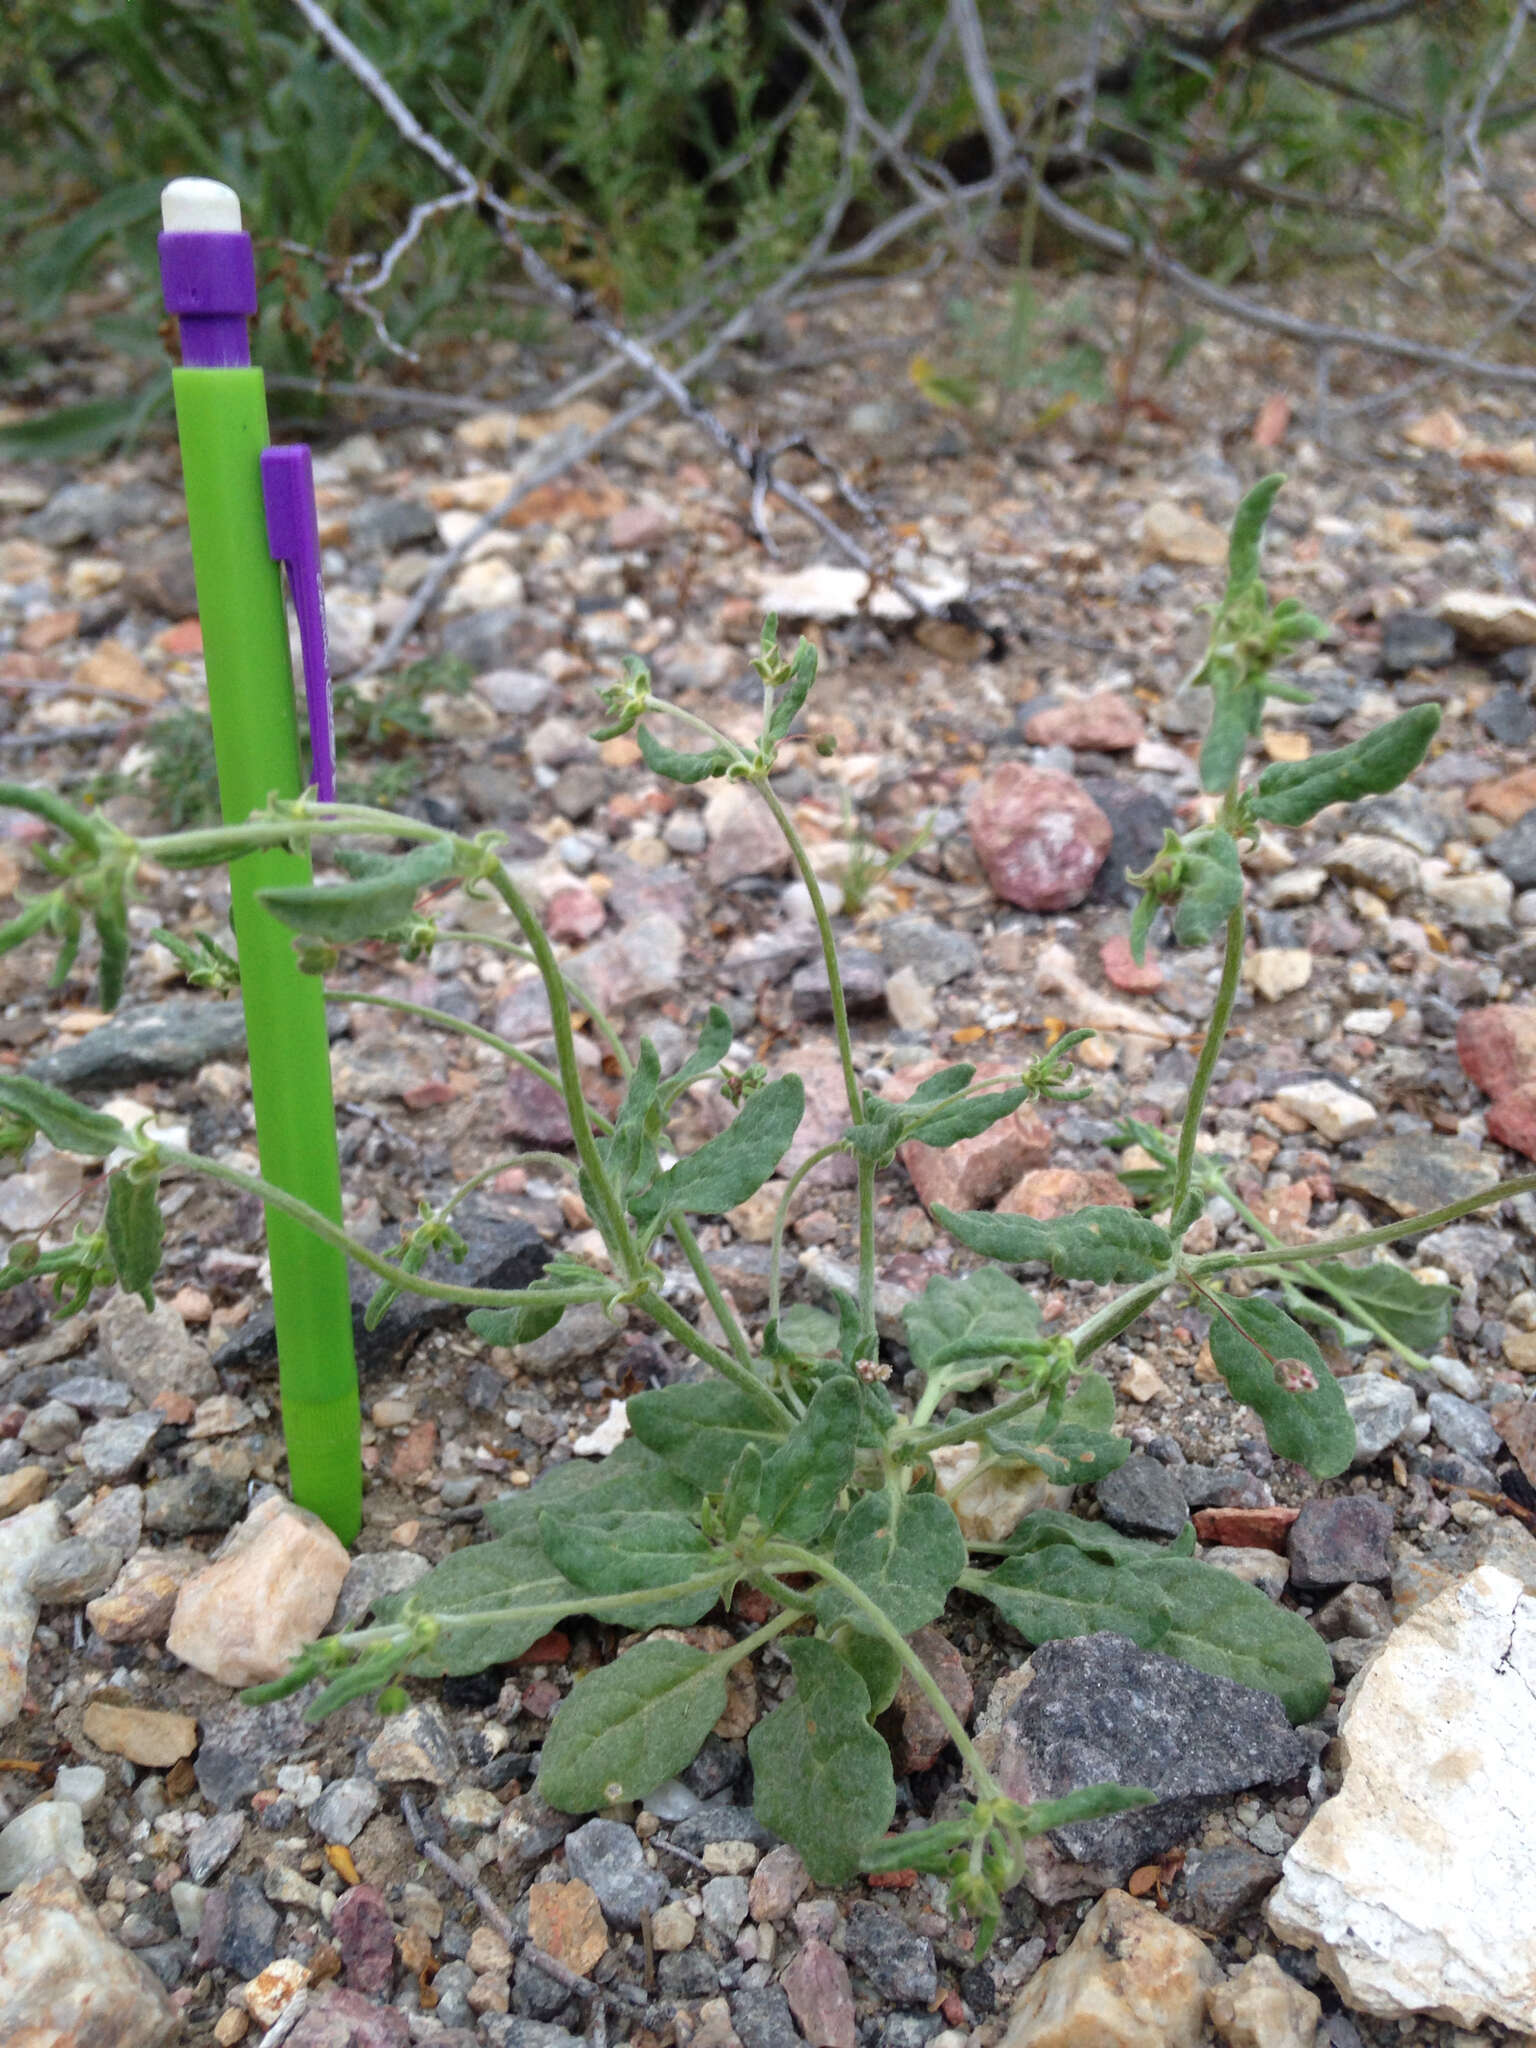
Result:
x=207 y=273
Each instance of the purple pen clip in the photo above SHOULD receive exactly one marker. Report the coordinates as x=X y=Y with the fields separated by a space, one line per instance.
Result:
x=293 y=535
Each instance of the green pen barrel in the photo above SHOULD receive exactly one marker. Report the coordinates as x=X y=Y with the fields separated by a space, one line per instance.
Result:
x=221 y=417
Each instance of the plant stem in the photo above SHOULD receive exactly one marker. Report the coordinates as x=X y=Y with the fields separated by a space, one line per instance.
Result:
x=869 y=1335
x=333 y=1234
x=718 y=1300
x=740 y=1376
x=828 y=943
x=1107 y=1323
x=1210 y=1051
x=1368 y=1240
x=789 y=1557
x=781 y=1217
x=444 y=1020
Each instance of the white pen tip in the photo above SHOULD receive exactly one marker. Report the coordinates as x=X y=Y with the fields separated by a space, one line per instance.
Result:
x=199 y=206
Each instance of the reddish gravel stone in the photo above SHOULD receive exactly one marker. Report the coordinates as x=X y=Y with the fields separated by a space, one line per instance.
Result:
x=1040 y=838
x=1105 y=723
x=1053 y=1191
x=418 y=1448
x=1512 y=1121
x=574 y=914
x=1123 y=973
x=977 y=1170
x=365 y=1934
x=1497 y=1047
x=911 y=1726
x=1246 y=1528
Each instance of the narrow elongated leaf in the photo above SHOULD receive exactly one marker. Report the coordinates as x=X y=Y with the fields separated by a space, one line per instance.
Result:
x=987 y=1315
x=968 y=1119
x=929 y=1848
x=1221 y=1624
x=904 y=1551
x=497 y=1580
x=1102 y=1244
x=1143 y=917
x=632 y=1477
x=678 y=765
x=1088 y=1802
x=111 y=918
x=135 y=1233
x=630 y=1153
x=622 y=1550
x=1235 y=718
x=64 y=1122
x=1047 y=1526
x=1059 y=1591
x=1247 y=536
x=701 y=1429
x=734 y=1165
x=1291 y=792
x=1274 y=1368
x=1212 y=886
x=743 y=1490
x=343 y=912
x=821 y=1775
x=790 y=696
x=1417 y=1312
x=631 y=1724
x=804 y=1476
x=714 y=1043
x=941 y=1086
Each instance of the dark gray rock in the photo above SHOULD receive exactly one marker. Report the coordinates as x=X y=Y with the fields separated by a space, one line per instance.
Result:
x=93 y=1394
x=1513 y=852
x=248 y=1941
x=720 y=1824
x=936 y=953
x=1465 y=1427
x=1356 y=1611
x=118 y=1445
x=511 y=2030
x=94 y=511
x=1138 y=819
x=1220 y=1885
x=911 y=2029
x=75 y=1570
x=608 y=1856
x=687 y=1975
x=863 y=986
x=1212 y=1486
x=1412 y=1177
x=1100 y=1711
x=1404 y=815
x=1415 y=640
x=530 y=1830
x=717 y=1765
x=762 y=2019
x=536 y=1994
x=193 y=1501
x=149 y=1043
x=1341 y=1542
x=899 y=1963
x=384 y=524
x=503 y=1252
x=241 y=1744
x=1143 y=1498
x=505 y=636
x=1507 y=717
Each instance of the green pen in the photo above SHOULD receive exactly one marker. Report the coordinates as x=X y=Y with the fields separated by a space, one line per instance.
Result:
x=249 y=508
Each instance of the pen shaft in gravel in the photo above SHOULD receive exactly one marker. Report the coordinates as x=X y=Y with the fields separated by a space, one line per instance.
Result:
x=208 y=274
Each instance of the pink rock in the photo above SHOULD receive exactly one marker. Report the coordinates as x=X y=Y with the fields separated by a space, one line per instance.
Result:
x=821 y=1997
x=365 y=1934
x=1040 y=838
x=977 y=1170
x=1052 y=1191
x=1512 y=1121
x=271 y=1589
x=1497 y=1047
x=639 y=526
x=1123 y=973
x=916 y=1734
x=825 y=1119
x=574 y=915
x=1105 y=723
x=345 y=2019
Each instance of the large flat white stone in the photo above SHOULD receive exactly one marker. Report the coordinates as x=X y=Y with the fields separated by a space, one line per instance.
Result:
x=1416 y=1883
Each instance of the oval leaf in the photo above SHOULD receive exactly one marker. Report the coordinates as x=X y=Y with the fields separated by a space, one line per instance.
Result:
x=905 y=1551
x=1102 y=1244
x=1274 y=1368
x=700 y=1430
x=733 y=1166
x=638 y=1720
x=342 y=912
x=135 y=1233
x=821 y=1774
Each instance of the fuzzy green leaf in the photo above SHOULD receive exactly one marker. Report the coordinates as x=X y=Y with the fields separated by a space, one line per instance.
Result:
x=876 y=1663
x=1143 y=917
x=1235 y=718
x=1247 y=536
x=743 y=1490
x=135 y=1232
x=1211 y=886
x=968 y=1119
x=714 y=1043
x=821 y=1774
x=629 y=1725
x=1416 y=1312
x=790 y=696
x=985 y=1316
x=1080 y=1449
x=1047 y=1526
x=501 y=1579
x=111 y=918
x=941 y=1086
x=904 y=1551
x=625 y=1550
x=676 y=764
x=700 y=1429
x=343 y=912
x=1059 y=1591
x=64 y=1122
x=1273 y=1367
x=1221 y=1624
x=736 y=1164
x=804 y=1476
x=630 y=1153
x=632 y=1477
x=1103 y=1244
x=1291 y=792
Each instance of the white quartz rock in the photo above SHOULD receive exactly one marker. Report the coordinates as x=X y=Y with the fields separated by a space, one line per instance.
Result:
x=1415 y=1883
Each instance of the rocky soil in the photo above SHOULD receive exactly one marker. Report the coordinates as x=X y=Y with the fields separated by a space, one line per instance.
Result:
x=248 y=1877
